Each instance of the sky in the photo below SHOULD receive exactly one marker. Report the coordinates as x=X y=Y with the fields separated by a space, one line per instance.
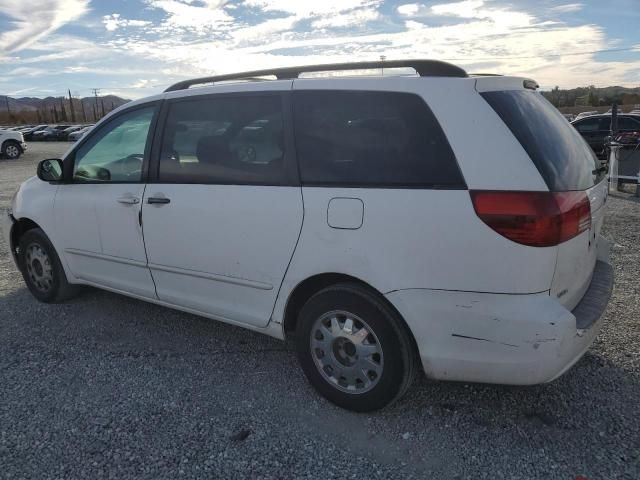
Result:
x=135 y=48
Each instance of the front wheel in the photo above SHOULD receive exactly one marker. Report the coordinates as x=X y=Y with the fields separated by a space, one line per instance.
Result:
x=354 y=349
x=11 y=150
x=42 y=270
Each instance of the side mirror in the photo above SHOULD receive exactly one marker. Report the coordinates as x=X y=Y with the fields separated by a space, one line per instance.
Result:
x=50 y=170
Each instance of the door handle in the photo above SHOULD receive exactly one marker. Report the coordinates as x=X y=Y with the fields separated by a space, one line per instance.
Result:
x=129 y=200
x=158 y=200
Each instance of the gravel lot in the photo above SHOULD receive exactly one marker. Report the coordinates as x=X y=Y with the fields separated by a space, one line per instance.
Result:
x=109 y=387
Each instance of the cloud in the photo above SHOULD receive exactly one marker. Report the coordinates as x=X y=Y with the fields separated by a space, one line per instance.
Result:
x=411 y=9
x=353 y=18
x=476 y=35
x=188 y=38
x=201 y=18
x=114 y=21
x=465 y=9
x=306 y=8
x=31 y=23
x=323 y=14
x=264 y=30
x=567 y=8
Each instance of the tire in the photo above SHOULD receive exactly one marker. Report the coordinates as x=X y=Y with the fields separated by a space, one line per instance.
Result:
x=11 y=150
x=354 y=349
x=42 y=270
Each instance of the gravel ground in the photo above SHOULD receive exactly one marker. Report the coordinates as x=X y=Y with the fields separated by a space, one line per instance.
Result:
x=109 y=387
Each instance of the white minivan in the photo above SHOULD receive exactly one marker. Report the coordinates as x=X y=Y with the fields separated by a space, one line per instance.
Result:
x=429 y=218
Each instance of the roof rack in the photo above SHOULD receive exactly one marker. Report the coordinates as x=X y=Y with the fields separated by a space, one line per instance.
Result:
x=424 y=68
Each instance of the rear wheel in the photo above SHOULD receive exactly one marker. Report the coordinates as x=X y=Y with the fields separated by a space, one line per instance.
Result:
x=42 y=270
x=11 y=150
x=354 y=349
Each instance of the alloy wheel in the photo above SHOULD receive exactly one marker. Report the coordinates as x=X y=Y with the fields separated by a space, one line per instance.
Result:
x=39 y=267
x=346 y=352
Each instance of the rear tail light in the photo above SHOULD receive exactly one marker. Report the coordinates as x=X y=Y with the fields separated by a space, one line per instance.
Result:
x=536 y=219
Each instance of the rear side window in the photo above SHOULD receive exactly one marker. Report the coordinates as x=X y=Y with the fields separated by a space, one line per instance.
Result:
x=224 y=140
x=628 y=123
x=368 y=139
x=595 y=124
x=563 y=158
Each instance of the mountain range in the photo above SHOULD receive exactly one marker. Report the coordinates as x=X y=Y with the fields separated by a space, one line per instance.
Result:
x=32 y=104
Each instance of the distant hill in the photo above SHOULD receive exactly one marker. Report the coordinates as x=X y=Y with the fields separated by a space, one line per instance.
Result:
x=593 y=96
x=56 y=109
x=33 y=104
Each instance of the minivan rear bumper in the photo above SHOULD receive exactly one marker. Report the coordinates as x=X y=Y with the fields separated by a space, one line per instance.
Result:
x=501 y=338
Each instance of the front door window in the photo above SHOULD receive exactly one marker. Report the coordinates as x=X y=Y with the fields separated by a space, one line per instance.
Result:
x=115 y=153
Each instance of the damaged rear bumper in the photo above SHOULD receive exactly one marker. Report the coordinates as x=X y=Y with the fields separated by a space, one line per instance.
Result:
x=501 y=338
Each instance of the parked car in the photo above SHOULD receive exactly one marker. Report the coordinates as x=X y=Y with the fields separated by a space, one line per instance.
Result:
x=39 y=134
x=446 y=221
x=57 y=132
x=585 y=114
x=64 y=134
x=12 y=144
x=596 y=128
x=50 y=133
x=28 y=135
x=78 y=134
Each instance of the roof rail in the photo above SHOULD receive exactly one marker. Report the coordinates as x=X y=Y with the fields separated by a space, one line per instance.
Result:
x=424 y=68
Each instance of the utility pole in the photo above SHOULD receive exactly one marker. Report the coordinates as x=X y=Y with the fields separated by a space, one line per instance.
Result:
x=382 y=59
x=6 y=99
x=73 y=113
x=84 y=113
x=96 y=91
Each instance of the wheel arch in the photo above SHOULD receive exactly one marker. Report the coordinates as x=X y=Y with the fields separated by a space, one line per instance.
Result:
x=19 y=228
x=9 y=141
x=311 y=285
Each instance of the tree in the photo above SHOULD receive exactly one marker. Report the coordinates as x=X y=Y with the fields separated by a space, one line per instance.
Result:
x=555 y=96
x=63 y=112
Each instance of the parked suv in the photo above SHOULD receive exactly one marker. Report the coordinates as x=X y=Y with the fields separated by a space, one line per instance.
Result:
x=12 y=144
x=384 y=223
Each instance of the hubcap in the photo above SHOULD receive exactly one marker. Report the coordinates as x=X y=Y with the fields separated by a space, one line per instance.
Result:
x=39 y=267
x=12 y=151
x=346 y=352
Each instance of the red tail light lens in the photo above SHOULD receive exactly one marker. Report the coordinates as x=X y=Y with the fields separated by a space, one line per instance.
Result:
x=537 y=219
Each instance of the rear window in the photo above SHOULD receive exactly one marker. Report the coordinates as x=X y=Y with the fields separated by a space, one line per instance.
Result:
x=563 y=158
x=370 y=139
